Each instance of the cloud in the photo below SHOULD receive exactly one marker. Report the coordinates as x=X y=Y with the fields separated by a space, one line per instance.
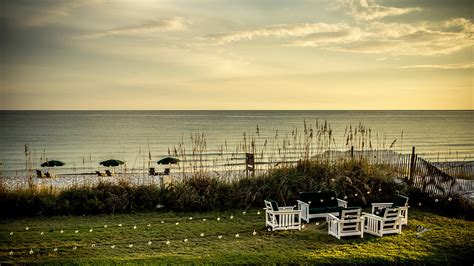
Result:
x=368 y=36
x=278 y=31
x=346 y=35
x=426 y=39
x=169 y=24
x=366 y=10
x=443 y=67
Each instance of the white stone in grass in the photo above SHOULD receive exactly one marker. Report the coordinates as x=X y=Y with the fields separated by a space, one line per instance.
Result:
x=167 y=242
x=130 y=246
x=232 y=217
x=218 y=218
x=42 y=233
x=31 y=251
x=120 y=225
x=90 y=230
x=93 y=245
x=185 y=240
x=11 y=233
x=450 y=199
x=148 y=225
x=149 y=242
x=254 y=233
x=177 y=223
x=55 y=249
x=237 y=235
x=303 y=226
x=134 y=227
x=317 y=223
x=105 y=226
x=62 y=231
x=258 y=213
x=74 y=248
x=190 y=218
x=204 y=219
x=202 y=234
x=77 y=231
x=220 y=236
x=162 y=222
x=113 y=246
x=244 y=213
x=27 y=228
x=11 y=253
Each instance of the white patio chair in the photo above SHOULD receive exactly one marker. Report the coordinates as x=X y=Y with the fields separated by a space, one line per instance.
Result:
x=389 y=221
x=399 y=202
x=281 y=218
x=350 y=224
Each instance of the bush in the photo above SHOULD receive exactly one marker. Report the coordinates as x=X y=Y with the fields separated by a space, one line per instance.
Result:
x=357 y=181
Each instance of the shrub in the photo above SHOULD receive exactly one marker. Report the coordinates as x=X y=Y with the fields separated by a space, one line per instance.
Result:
x=358 y=181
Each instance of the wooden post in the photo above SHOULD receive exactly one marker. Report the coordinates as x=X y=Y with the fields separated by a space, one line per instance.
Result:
x=352 y=152
x=249 y=164
x=412 y=164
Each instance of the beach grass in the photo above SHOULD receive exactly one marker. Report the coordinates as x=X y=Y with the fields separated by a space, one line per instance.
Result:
x=448 y=241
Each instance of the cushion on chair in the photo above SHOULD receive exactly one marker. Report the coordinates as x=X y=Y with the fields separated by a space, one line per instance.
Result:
x=317 y=210
x=380 y=212
x=274 y=204
x=334 y=209
x=400 y=201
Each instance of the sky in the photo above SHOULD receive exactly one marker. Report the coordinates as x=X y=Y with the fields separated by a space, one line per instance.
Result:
x=232 y=55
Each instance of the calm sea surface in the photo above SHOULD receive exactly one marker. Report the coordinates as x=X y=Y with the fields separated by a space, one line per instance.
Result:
x=83 y=138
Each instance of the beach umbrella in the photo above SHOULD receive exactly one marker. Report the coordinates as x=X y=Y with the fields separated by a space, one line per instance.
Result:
x=52 y=163
x=111 y=162
x=168 y=160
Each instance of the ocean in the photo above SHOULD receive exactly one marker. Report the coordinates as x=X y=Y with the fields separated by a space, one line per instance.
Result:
x=82 y=139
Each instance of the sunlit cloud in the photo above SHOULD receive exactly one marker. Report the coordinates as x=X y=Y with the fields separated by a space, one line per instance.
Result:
x=366 y=10
x=169 y=24
x=426 y=38
x=443 y=67
x=277 y=31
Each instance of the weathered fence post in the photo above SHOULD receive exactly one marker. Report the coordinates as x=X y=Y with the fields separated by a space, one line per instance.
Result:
x=352 y=152
x=412 y=165
x=249 y=164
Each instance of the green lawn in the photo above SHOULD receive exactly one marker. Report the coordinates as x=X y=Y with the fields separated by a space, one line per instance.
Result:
x=448 y=241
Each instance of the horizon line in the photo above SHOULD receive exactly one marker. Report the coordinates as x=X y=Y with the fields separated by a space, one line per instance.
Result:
x=85 y=110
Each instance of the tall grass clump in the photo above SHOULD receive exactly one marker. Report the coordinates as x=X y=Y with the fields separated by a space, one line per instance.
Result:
x=357 y=181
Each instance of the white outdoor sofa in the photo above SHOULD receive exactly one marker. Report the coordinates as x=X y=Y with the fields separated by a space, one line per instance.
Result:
x=281 y=218
x=319 y=204
x=349 y=224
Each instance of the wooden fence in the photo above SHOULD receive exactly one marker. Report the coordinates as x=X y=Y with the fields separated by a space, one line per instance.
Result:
x=442 y=179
